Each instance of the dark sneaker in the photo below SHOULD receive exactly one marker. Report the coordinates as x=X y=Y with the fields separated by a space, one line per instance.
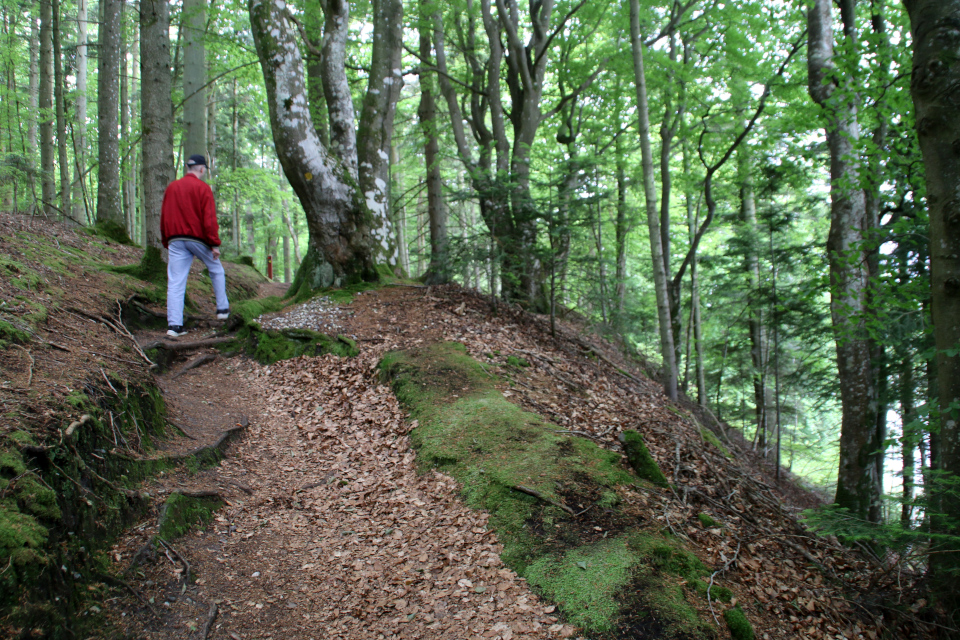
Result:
x=175 y=332
x=223 y=314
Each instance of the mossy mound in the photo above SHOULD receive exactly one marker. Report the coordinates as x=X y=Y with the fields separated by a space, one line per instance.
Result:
x=640 y=459
x=516 y=466
x=181 y=513
x=740 y=627
x=707 y=521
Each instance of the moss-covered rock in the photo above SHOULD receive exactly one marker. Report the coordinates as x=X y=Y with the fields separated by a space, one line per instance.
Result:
x=110 y=230
x=740 y=627
x=640 y=459
x=707 y=521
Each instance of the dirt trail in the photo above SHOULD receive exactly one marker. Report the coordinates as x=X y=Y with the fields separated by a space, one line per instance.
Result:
x=329 y=531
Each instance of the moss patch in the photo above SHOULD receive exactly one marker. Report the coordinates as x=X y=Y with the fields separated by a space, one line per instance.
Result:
x=707 y=521
x=640 y=459
x=110 y=230
x=181 y=513
x=710 y=437
x=740 y=627
x=585 y=581
x=502 y=454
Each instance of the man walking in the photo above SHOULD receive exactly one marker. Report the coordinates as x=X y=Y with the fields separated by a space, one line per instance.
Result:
x=188 y=228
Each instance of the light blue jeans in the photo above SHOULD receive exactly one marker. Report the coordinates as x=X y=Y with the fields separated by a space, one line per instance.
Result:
x=182 y=253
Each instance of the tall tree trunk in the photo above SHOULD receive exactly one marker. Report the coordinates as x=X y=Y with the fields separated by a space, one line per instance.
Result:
x=48 y=189
x=194 y=22
x=653 y=219
x=248 y=219
x=33 y=87
x=80 y=210
x=286 y=258
x=858 y=487
x=156 y=114
x=234 y=129
x=126 y=170
x=313 y=25
x=109 y=210
x=59 y=82
x=622 y=229
x=936 y=66
x=438 y=271
x=748 y=214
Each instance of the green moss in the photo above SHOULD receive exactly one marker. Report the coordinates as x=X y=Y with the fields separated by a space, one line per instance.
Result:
x=11 y=334
x=707 y=521
x=110 y=230
x=740 y=627
x=247 y=260
x=516 y=361
x=181 y=513
x=667 y=556
x=151 y=268
x=717 y=593
x=584 y=582
x=710 y=437
x=21 y=276
x=640 y=459
x=11 y=462
x=36 y=499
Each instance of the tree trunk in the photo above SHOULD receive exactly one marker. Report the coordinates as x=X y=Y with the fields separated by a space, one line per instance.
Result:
x=59 y=82
x=622 y=229
x=653 y=219
x=80 y=210
x=251 y=241
x=347 y=239
x=194 y=23
x=858 y=487
x=748 y=213
x=936 y=67
x=286 y=258
x=156 y=114
x=126 y=173
x=375 y=132
x=33 y=87
x=438 y=271
x=313 y=24
x=109 y=210
x=48 y=189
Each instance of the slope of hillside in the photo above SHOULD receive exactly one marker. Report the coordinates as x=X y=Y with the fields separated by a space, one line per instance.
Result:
x=505 y=496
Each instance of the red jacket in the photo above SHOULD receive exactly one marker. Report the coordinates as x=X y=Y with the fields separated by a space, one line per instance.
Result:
x=189 y=211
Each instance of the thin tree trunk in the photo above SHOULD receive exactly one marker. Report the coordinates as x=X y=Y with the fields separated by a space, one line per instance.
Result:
x=622 y=229
x=286 y=258
x=59 y=82
x=653 y=220
x=80 y=211
x=48 y=189
x=126 y=169
x=33 y=90
x=109 y=206
x=438 y=271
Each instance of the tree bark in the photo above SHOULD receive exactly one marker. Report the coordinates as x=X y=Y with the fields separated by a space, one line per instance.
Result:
x=667 y=350
x=438 y=271
x=80 y=210
x=347 y=239
x=48 y=189
x=156 y=114
x=59 y=99
x=858 y=486
x=194 y=23
x=748 y=214
x=109 y=208
x=936 y=71
x=33 y=86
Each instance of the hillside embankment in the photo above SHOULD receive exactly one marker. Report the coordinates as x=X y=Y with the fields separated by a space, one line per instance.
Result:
x=397 y=462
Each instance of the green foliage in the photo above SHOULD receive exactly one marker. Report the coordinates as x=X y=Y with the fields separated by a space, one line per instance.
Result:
x=517 y=361
x=740 y=627
x=110 y=230
x=640 y=459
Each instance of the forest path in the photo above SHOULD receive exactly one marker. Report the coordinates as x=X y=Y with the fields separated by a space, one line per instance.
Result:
x=329 y=531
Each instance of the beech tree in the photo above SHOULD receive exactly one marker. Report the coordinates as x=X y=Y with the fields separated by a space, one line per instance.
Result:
x=342 y=189
x=833 y=86
x=936 y=66
x=109 y=204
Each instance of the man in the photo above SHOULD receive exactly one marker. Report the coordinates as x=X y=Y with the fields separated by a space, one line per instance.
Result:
x=188 y=228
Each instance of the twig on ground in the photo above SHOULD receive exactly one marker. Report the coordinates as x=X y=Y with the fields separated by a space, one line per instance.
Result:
x=186 y=565
x=193 y=364
x=107 y=380
x=537 y=494
x=117 y=582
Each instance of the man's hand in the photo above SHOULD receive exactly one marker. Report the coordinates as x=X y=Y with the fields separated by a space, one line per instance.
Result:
x=216 y=252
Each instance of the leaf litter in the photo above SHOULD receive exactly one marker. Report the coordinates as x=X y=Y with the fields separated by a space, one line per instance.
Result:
x=343 y=538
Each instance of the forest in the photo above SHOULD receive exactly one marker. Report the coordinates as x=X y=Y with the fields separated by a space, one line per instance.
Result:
x=758 y=198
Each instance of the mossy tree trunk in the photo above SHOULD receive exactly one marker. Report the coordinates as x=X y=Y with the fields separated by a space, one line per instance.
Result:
x=350 y=233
